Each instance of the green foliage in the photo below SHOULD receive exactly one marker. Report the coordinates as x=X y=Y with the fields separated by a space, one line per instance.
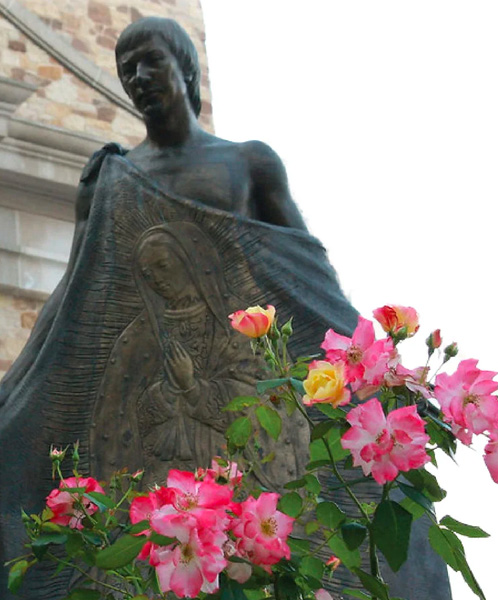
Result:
x=391 y=528
x=241 y=403
x=270 y=384
x=329 y=514
x=353 y=534
x=350 y=558
x=122 y=552
x=374 y=585
x=291 y=504
x=270 y=421
x=463 y=529
x=239 y=432
x=16 y=575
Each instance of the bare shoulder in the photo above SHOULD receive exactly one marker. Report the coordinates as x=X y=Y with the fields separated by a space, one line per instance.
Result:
x=261 y=156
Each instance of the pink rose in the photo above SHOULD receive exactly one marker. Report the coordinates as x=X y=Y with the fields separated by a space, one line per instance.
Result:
x=384 y=446
x=262 y=530
x=466 y=400
x=254 y=322
x=70 y=508
x=491 y=456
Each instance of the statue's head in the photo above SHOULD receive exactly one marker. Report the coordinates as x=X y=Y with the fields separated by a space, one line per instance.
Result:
x=158 y=42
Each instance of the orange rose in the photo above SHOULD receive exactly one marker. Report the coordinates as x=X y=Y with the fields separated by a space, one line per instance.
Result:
x=395 y=318
x=254 y=321
x=326 y=382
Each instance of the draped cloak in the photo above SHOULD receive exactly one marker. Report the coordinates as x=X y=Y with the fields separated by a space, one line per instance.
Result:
x=94 y=367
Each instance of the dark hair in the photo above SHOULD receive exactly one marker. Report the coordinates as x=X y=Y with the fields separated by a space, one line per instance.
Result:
x=179 y=43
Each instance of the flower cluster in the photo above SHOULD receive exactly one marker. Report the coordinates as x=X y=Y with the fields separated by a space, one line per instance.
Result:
x=208 y=528
x=364 y=365
x=68 y=503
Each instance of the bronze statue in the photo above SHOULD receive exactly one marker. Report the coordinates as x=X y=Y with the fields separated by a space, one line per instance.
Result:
x=133 y=354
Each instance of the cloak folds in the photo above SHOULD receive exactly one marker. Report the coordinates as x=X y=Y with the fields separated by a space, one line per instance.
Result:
x=145 y=300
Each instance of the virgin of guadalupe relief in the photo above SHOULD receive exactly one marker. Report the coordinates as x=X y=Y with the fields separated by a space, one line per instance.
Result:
x=133 y=354
x=190 y=364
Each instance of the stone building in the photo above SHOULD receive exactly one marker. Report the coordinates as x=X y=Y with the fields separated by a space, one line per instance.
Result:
x=60 y=100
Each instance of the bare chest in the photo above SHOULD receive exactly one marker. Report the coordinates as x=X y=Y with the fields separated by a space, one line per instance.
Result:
x=218 y=182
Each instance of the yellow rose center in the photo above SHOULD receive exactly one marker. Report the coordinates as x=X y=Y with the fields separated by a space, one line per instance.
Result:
x=187 y=554
x=269 y=526
x=354 y=354
x=471 y=399
x=188 y=501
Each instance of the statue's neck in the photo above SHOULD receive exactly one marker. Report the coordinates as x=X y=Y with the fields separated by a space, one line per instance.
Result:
x=175 y=127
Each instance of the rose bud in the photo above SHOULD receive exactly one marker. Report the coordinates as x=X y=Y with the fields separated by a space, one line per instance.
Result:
x=398 y=321
x=254 y=322
x=434 y=341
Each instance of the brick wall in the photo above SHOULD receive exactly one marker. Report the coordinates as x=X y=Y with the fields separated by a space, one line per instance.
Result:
x=63 y=100
x=17 y=317
x=92 y=28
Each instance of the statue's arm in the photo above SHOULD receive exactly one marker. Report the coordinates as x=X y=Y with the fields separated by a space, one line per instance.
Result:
x=269 y=187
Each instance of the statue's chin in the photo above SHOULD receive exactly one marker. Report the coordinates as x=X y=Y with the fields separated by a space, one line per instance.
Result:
x=154 y=111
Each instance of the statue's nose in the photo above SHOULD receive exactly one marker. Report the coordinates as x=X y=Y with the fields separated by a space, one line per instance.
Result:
x=142 y=73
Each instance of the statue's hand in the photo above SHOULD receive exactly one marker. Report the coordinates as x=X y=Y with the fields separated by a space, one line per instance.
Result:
x=179 y=367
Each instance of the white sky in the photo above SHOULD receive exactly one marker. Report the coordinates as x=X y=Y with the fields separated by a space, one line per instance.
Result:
x=386 y=116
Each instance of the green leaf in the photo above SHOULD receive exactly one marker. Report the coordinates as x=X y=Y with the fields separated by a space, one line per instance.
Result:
x=231 y=590
x=16 y=575
x=391 y=528
x=270 y=421
x=312 y=484
x=425 y=481
x=49 y=538
x=447 y=545
x=83 y=594
x=239 y=432
x=92 y=537
x=311 y=566
x=377 y=587
x=469 y=576
x=270 y=384
x=291 y=504
x=353 y=534
x=286 y=588
x=298 y=545
x=311 y=527
x=241 y=402
x=329 y=514
x=330 y=411
x=416 y=496
x=321 y=429
x=74 y=544
x=139 y=527
x=350 y=558
x=297 y=384
x=161 y=540
x=296 y=484
x=458 y=527
x=413 y=508
x=101 y=500
x=121 y=553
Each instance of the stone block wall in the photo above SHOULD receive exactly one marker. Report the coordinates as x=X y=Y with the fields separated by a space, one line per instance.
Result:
x=17 y=317
x=92 y=28
x=65 y=101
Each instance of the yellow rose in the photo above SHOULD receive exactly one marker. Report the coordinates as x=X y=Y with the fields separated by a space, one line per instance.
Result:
x=326 y=383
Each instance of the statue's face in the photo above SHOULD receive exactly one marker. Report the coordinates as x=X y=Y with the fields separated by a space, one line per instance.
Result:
x=164 y=271
x=151 y=77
